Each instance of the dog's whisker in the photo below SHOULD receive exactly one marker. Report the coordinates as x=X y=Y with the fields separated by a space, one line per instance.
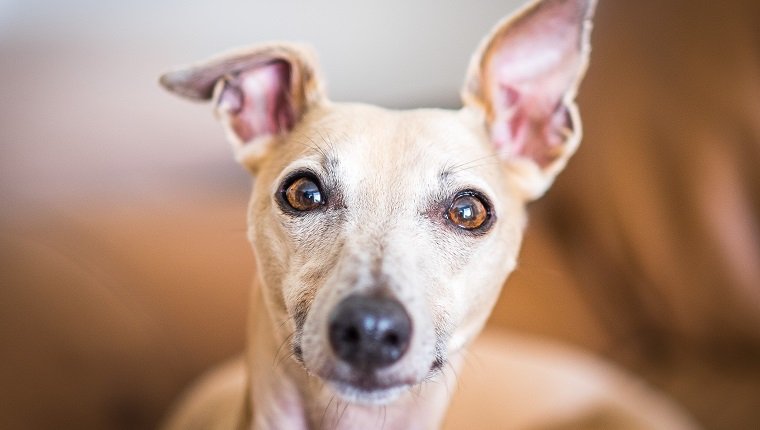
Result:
x=285 y=358
x=471 y=358
x=342 y=413
x=298 y=142
x=336 y=412
x=497 y=154
x=458 y=165
x=324 y=413
x=475 y=166
x=329 y=133
x=445 y=381
x=449 y=365
x=326 y=141
x=282 y=324
x=319 y=148
x=277 y=361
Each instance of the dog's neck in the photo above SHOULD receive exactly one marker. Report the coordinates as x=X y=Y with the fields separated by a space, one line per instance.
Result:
x=282 y=395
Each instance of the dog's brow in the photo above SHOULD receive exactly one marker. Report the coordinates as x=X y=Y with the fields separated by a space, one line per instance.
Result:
x=329 y=162
x=322 y=144
x=445 y=177
x=451 y=177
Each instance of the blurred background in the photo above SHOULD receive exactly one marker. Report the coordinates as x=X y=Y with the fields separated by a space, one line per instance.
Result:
x=123 y=261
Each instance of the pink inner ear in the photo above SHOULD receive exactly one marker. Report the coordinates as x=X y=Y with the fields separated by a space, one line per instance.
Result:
x=530 y=119
x=258 y=101
x=530 y=68
x=544 y=139
x=536 y=137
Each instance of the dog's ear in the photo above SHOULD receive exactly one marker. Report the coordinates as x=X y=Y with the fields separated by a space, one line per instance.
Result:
x=523 y=80
x=259 y=93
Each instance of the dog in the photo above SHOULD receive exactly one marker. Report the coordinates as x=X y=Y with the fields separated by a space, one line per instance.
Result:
x=383 y=238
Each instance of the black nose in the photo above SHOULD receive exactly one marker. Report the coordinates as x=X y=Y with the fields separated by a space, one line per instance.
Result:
x=369 y=332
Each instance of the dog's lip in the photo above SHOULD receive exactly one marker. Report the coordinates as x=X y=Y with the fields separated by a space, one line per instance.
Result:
x=367 y=385
x=370 y=384
x=366 y=391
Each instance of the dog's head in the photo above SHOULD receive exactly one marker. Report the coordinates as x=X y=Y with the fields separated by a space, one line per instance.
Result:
x=383 y=237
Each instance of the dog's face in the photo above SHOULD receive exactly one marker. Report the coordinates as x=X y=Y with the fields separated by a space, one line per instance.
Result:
x=408 y=212
x=383 y=237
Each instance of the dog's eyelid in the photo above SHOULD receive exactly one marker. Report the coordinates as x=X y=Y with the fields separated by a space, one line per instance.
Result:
x=293 y=171
x=463 y=179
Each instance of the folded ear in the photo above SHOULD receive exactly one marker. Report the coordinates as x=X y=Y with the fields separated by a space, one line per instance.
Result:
x=524 y=78
x=258 y=93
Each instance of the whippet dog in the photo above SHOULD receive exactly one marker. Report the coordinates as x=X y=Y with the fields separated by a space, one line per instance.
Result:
x=382 y=238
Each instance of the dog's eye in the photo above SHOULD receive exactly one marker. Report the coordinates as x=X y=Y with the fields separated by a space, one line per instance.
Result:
x=468 y=211
x=303 y=194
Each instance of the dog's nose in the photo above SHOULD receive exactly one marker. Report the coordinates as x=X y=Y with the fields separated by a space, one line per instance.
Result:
x=369 y=332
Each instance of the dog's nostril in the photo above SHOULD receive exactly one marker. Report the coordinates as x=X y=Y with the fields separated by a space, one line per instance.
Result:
x=391 y=339
x=369 y=332
x=351 y=335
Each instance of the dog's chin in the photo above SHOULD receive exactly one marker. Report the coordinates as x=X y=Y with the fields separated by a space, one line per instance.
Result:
x=367 y=395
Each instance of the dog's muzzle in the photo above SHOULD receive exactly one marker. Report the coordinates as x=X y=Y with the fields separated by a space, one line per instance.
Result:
x=369 y=333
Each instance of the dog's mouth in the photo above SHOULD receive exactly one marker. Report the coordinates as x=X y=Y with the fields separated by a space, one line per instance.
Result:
x=368 y=392
x=367 y=387
x=371 y=389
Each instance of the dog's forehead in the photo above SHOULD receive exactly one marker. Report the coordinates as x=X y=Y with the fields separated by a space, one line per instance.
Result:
x=408 y=151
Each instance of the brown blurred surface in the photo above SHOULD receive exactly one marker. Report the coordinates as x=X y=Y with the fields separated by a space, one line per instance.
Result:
x=646 y=251
x=107 y=312
x=654 y=230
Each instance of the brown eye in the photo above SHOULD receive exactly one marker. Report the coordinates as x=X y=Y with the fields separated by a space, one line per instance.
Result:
x=304 y=194
x=467 y=211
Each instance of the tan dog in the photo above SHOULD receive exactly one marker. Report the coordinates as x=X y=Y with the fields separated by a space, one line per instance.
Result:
x=383 y=238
